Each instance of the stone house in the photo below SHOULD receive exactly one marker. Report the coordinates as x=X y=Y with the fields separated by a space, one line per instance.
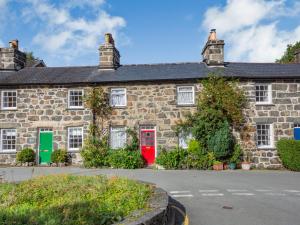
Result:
x=43 y=108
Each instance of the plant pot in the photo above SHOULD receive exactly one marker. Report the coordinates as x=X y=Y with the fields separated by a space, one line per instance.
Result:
x=232 y=166
x=218 y=166
x=246 y=166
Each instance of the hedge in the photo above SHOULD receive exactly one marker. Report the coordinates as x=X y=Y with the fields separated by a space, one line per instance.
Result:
x=289 y=153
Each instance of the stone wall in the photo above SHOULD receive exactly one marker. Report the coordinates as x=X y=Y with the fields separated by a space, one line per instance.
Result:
x=147 y=104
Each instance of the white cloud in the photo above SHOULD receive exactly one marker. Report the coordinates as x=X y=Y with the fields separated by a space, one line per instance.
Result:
x=65 y=36
x=250 y=28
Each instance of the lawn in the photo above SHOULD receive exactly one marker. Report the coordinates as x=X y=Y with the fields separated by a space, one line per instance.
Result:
x=68 y=199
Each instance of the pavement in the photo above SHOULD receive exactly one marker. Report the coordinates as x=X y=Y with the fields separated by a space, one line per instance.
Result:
x=258 y=197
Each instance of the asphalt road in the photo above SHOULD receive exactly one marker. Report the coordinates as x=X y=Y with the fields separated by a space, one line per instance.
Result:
x=211 y=198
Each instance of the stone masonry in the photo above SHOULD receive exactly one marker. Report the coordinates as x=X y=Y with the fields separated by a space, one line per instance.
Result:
x=147 y=104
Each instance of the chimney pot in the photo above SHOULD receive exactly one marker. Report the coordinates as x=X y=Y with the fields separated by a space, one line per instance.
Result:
x=14 y=44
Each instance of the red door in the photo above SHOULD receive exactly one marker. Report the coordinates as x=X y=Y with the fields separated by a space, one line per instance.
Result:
x=148 y=145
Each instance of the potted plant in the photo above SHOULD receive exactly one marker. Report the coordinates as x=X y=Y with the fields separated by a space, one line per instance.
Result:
x=218 y=165
x=246 y=164
x=236 y=157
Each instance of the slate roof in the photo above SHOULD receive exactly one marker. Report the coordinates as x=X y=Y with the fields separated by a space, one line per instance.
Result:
x=146 y=72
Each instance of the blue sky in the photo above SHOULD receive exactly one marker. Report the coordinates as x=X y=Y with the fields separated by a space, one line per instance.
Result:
x=149 y=31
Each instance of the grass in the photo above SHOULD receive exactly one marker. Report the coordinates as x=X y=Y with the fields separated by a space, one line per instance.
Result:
x=68 y=199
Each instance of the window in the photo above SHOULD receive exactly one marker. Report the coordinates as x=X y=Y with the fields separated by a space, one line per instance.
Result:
x=8 y=140
x=264 y=134
x=75 y=137
x=184 y=139
x=185 y=95
x=75 y=99
x=263 y=93
x=117 y=137
x=9 y=100
x=118 y=97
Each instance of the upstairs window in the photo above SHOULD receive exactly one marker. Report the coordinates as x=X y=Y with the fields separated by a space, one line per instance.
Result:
x=75 y=99
x=8 y=140
x=75 y=137
x=264 y=134
x=184 y=139
x=185 y=95
x=263 y=93
x=118 y=97
x=117 y=137
x=9 y=99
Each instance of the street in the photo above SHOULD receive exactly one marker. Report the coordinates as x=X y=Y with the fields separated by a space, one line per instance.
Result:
x=226 y=198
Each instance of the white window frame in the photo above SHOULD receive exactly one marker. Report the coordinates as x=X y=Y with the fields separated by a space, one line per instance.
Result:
x=74 y=149
x=112 y=130
x=75 y=107
x=187 y=136
x=269 y=101
x=125 y=95
x=2 y=100
x=271 y=131
x=193 y=96
x=1 y=139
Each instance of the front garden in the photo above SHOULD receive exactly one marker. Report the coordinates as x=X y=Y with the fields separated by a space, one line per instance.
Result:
x=67 y=199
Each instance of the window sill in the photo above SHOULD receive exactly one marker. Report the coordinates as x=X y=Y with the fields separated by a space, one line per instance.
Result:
x=264 y=104
x=8 y=152
x=119 y=107
x=185 y=105
x=75 y=108
x=9 y=109
x=73 y=151
x=266 y=148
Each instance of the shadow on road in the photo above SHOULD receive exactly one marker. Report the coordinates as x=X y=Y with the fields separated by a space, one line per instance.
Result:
x=177 y=213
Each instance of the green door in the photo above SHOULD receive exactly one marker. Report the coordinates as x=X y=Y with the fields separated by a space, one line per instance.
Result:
x=46 y=146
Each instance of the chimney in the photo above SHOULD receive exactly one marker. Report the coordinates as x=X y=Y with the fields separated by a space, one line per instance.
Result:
x=297 y=56
x=213 y=51
x=109 y=54
x=11 y=58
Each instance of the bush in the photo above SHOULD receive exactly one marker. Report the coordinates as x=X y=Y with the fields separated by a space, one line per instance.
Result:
x=94 y=152
x=59 y=156
x=237 y=154
x=125 y=159
x=69 y=199
x=175 y=159
x=289 y=153
x=26 y=155
x=221 y=143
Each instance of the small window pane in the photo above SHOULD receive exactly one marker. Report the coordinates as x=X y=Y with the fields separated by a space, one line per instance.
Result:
x=184 y=139
x=117 y=137
x=75 y=138
x=185 y=95
x=76 y=99
x=118 y=97
x=8 y=139
x=263 y=135
x=263 y=93
x=9 y=99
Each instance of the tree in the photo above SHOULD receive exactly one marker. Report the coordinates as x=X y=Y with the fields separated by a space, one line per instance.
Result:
x=288 y=56
x=98 y=101
x=30 y=57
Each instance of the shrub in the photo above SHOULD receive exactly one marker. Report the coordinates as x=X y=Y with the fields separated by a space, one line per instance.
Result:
x=221 y=143
x=69 y=199
x=237 y=154
x=59 y=156
x=175 y=159
x=289 y=153
x=124 y=159
x=26 y=155
x=94 y=152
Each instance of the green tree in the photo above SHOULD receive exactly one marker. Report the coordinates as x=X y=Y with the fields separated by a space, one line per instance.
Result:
x=97 y=100
x=30 y=57
x=288 y=56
